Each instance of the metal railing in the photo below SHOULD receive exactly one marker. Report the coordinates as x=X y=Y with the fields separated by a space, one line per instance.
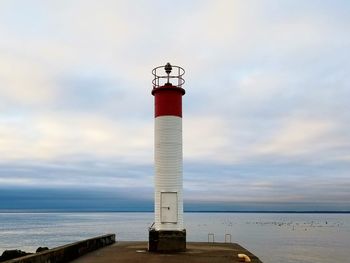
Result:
x=211 y=238
x=163 y=75
x=211 y=235
x=228 y=237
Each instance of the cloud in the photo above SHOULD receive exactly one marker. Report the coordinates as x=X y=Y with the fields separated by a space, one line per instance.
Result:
x=204 y=137
x=265 y=114
x=298 y=137
x=24 y=82
x=51 y=137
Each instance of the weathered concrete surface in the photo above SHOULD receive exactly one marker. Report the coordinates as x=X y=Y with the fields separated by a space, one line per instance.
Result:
x=68 y=252
x=167 y=241
x=136 y=252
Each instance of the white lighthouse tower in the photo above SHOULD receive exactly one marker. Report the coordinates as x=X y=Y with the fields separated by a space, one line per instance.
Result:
x=168 y=233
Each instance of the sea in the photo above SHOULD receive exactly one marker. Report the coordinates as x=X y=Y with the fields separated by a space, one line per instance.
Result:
x=273 y=237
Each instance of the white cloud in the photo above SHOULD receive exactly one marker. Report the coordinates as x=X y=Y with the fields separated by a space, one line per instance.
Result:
x=204 y=137
x=298 y=137
x=52 y=137
x=265 y=81
x=24 y=82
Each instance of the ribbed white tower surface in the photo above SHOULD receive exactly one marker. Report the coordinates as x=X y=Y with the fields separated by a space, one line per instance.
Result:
x=168 y=203
x=168 y=173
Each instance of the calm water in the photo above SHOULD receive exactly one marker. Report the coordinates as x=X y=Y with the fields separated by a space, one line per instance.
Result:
x=275 y=238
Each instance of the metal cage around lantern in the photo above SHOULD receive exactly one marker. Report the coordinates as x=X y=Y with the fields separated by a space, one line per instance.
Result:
x=164 y=74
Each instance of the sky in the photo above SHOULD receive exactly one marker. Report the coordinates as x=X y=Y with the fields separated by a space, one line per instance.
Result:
x=266 y=115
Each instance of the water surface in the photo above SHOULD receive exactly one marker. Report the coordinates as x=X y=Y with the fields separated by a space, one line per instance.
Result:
x=274 y=238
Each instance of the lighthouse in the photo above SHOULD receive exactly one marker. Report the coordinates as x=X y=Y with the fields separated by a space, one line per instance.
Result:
x=167 y=233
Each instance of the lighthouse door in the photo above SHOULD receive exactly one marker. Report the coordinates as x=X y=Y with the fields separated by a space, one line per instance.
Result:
x=168 y=204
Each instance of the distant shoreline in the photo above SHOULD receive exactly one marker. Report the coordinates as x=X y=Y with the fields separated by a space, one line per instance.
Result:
x=189 y=211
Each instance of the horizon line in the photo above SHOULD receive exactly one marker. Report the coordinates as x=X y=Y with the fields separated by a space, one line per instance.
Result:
x=185 y=211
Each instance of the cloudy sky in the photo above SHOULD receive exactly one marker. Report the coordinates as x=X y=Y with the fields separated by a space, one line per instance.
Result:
x=266 y=113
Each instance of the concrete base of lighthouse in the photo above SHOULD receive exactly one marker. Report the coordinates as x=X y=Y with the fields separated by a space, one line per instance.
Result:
x=166 y=241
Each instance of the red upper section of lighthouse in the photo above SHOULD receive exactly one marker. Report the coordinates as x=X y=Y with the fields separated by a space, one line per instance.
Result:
x=168 y=97
x=168 y=100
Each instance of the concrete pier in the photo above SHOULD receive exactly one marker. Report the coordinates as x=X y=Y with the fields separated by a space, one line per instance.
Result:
x=137 y=252
x=67 y=252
